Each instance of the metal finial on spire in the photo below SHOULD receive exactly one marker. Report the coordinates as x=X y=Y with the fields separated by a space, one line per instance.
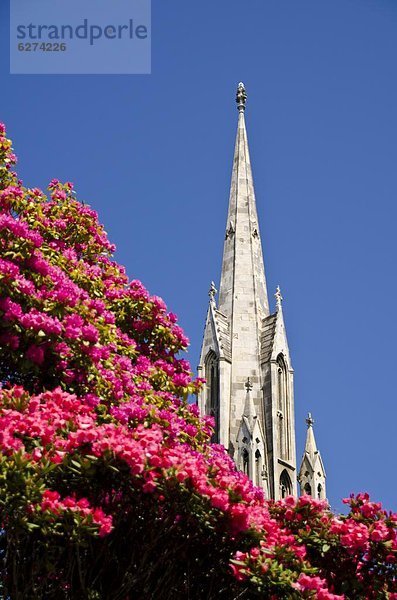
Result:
x=212 y=292
x=279 y=298
x=248 y=385
x=241 y=97
x=309 y=420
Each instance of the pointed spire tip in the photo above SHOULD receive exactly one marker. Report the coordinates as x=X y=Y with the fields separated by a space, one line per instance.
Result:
x=309 y=420
x=248 y=385
x=212 y=292
x=249 y=406
x=279 y=298
x=241 y=97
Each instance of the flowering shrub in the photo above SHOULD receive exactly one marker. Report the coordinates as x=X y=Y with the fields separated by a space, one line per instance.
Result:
x=109 y=486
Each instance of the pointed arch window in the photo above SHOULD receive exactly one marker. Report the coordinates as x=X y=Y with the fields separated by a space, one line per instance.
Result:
x=258 y=467
x=283 y=409
x=212 y=391
x=319 y=491
x=285 y=484
x=246 y=461
x=308 y=489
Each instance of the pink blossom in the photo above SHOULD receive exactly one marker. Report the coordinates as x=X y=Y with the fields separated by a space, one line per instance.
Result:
x=35 y=354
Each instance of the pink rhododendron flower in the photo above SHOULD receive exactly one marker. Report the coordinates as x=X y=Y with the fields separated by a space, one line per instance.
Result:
x=35 y=354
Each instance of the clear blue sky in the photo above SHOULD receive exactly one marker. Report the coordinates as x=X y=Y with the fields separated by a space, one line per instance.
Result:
x=153 y=155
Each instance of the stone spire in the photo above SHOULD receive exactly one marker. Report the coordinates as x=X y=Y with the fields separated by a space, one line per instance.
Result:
x=254 y=418
x=243 y=281
x=242 y=291
x=312 y=473
x=249 y=407
x=311 y=446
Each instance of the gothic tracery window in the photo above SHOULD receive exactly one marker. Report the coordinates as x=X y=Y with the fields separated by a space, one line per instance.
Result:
x=212 y=391
x=283 y=408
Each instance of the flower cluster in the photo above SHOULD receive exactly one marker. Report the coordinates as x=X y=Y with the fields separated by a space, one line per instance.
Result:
x=55 y=426
x=70 y=317
x=53 y=504
x=355 y=554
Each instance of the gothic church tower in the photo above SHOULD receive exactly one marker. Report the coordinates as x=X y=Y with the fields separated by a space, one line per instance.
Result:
x=244 y=357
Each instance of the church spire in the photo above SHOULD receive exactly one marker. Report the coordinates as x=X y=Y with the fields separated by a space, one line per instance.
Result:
x=312 y=473
x=310 y=446
x=249 y=406
x=254 y=418
x=243 y=274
